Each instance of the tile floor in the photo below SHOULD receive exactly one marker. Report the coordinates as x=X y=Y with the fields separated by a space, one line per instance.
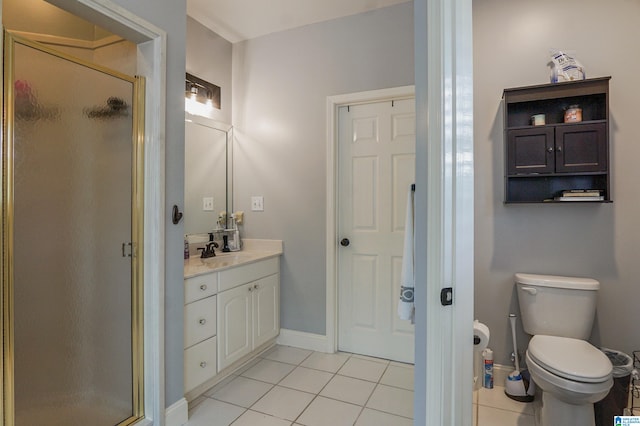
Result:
x=290 y=386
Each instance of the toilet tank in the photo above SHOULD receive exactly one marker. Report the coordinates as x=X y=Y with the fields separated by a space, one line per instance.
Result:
x=557 y=306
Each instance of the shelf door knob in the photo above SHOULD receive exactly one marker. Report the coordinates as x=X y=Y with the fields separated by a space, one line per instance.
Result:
x=345 y=242
x=203 y=364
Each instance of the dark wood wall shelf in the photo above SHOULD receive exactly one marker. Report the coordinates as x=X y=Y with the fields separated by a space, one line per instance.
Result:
x=543 y=161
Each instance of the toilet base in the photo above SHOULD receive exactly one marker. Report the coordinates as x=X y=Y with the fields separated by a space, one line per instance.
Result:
x=556 y=412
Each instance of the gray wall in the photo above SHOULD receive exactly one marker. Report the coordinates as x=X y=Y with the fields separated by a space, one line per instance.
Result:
x=168 y=15
x=280 y=85
x=511 y=43
x=209 y=57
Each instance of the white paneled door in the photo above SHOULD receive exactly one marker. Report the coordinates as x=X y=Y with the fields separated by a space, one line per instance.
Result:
x=376 y=156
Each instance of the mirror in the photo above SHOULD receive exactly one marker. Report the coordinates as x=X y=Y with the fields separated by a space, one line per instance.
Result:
x=208 y=174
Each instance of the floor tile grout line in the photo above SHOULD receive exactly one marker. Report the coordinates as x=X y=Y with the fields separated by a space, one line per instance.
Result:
x=386 y=412
x=504 y=409
x=377 y=384
x=314 y=398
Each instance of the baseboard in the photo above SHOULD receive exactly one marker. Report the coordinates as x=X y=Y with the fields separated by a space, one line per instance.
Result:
x=177 y=414
x=303 y=340
x=500 y=373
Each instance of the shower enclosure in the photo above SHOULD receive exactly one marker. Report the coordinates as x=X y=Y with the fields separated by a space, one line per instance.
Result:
x=72 y=240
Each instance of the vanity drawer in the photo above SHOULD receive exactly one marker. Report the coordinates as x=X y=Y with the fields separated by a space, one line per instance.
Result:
x=199 y=287
x=246 y=273
x=199 y=321
x=200 y=363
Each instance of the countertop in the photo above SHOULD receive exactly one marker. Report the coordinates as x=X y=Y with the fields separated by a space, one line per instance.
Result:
x=252 y=251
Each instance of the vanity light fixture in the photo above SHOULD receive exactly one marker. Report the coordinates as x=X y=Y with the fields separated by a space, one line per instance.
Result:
x=201 y=96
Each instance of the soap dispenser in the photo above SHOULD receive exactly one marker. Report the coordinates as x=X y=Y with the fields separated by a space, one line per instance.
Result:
x=225 y=244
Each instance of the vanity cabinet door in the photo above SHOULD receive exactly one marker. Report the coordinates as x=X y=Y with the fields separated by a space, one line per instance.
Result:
x=266 y=309
x=234 y=324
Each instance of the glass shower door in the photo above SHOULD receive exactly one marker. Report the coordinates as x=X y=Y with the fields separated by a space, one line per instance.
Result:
x=70 y=153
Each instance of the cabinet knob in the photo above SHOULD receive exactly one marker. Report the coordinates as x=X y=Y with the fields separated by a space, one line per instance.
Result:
x=250 y=288
x=202 y=321
x=255 y=286
x=559 y=149
x=550 y=149
x=203 y=364
x=203 y=287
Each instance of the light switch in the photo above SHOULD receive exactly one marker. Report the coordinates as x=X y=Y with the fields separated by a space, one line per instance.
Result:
x=257 y=203
x=207 y=204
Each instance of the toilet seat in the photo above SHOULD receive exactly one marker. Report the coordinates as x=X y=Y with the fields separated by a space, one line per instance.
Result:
x=568 y=390
x=572 y=359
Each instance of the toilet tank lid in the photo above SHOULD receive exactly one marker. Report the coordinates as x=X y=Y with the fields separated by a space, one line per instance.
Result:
x=558 y=281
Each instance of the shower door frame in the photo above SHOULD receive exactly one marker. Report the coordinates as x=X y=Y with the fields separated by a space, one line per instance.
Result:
x=137 y=225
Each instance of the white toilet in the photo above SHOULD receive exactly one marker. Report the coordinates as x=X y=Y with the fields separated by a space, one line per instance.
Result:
x=572 y=374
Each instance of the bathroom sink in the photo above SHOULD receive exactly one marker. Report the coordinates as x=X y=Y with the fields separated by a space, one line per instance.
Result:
x=226 y=259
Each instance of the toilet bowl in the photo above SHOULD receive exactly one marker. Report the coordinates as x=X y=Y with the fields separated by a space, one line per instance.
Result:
x=571 y=373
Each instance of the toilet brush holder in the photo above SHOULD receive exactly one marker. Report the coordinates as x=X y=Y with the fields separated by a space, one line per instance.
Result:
x=519 y=386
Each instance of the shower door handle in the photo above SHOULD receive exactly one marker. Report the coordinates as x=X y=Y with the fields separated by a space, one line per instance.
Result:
x=124 y=250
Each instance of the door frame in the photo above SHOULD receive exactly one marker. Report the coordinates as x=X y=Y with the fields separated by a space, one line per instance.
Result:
x=151 y=42
x=333 y=104
x=443 y=43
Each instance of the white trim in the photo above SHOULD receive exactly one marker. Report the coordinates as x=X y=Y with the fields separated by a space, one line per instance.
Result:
x=68 y=41
x=177 y=414
x=303 y=340
x=444 y=211
x=333 y=103
x=152 y=47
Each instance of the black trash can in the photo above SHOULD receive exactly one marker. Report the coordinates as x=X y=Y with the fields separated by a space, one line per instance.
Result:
x=618 y=397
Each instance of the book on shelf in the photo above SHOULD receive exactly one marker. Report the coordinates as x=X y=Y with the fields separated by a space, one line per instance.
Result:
x=581 y=193
x=581 y=198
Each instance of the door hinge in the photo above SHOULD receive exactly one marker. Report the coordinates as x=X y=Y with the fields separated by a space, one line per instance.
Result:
x=446 y=296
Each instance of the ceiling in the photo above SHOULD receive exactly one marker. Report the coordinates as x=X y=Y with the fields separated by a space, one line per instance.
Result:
x=238 y=20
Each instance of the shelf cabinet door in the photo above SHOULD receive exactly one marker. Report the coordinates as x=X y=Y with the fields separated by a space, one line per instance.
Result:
x=581 y=148
x=530 y=150
x=234 y=325
x=266 y=309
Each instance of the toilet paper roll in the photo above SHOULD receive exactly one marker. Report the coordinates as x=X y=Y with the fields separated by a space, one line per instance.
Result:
x=480 y=336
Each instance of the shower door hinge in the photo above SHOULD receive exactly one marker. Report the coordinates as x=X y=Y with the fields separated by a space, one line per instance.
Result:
x=446 y=296
x=127 y=249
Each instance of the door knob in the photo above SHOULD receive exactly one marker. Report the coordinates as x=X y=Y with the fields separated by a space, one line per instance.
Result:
x=345 y=242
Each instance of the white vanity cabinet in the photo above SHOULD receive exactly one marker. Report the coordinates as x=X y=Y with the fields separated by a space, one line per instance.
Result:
x=230 y=313
x=248 y=309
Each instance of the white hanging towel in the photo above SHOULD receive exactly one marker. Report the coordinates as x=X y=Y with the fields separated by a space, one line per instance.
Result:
x=406 y=310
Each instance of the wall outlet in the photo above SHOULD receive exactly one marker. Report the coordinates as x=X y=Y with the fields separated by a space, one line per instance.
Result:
x=207 y=204
x=257 y=203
